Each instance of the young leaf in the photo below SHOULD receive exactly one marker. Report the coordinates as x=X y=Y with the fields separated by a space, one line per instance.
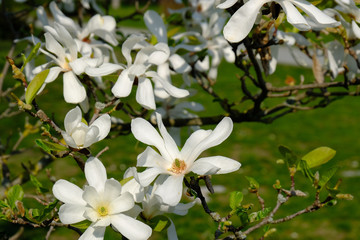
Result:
x=82 y=225
x=303 y=166
x=325 y=177
x=42 y=145
x=35 y=85
x=49 y=146
x=236 y=199
x=290 y=157
x=254 y=185
x=39 y=187
x=159 y=223
x=15 y=193
x=319 y=156
x=31 y=55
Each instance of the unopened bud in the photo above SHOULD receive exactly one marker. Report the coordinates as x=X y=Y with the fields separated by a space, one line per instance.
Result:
x=300 y=193
x=345 y=196
x=20 y=207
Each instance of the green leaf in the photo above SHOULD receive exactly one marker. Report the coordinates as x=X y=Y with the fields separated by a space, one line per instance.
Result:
x=256 y=216
x=125 y=180
x=42 y=145
x=303 y=166
x=31 y=55
x=49 y=146
x=253 y=183
x=82 y=225
x=290 y=157
x=319 y=156
x=15 y=193
x=35 y=85
x=325 y=177
x=236 y=198
x=38 y=185
x=159 y=223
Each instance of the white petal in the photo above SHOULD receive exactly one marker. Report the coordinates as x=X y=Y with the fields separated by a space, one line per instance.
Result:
x=68 y=192
x=169 y=142
x=293 y=16
x=355 y=29
x=61 y=18
x=69 y=140
x=172 y=90
x=242 y=21
x=226 y=4
x=146 y=177
x=103 y=70
x=74 y=91
x=156 y=25
x=78 y=65
x=170 y=190
x=179 y=64
x=95 y=173
x=72 y=119
x=182 y=209
x=314 y=12
x=122 y=203
x=203 y=168
x=112 y=189
x=53 y=46
x=145 y=94
x=225 y=165
x=93 y=233
x=171 y=231
x=220 y=133
x=92 y=198
x=71 y=213
x=91 y=136
x=193 y=141
x=53 y=74
x=161 y=55
x=146 y=133
x=104 y=125
x=130 y=227
x=103 y=222
x=129 y=44
x=150 y=158
x=67 y=40
x=123 y=85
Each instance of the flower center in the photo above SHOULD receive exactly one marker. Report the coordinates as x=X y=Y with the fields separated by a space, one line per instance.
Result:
x=178 y=166
x=103 y=211
x=79 y=137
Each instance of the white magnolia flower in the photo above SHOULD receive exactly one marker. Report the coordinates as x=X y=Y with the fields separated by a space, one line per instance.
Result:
x=349 y=7
x=63 y=51
x=242 y=21
x=152 y=204
x=101 y=202
x=79 y=135
x=172 y=164
x=139 y=69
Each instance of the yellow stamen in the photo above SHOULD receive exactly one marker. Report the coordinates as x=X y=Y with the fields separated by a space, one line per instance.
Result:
x=178 y=166
x=103 y=211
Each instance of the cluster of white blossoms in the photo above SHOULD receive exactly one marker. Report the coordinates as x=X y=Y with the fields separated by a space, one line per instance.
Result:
x=208 y=36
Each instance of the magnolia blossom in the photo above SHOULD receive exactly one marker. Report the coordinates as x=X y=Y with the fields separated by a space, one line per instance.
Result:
x=139 y=69
x=242 y=21
x=79 y=135
x=101 y=202
x=152 y=204
x=172 y=164
x=63 y=51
